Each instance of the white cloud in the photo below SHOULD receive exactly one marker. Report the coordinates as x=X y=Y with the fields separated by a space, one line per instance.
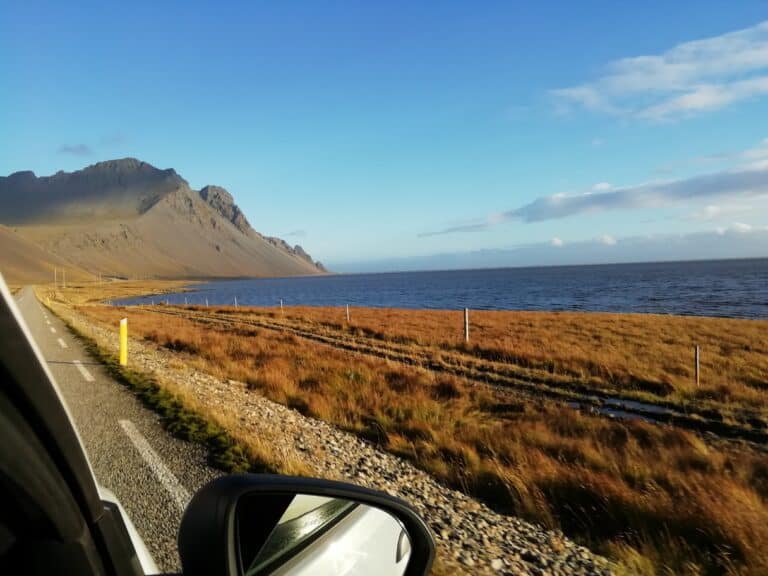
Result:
x=716 y=212
x=708 y=213
x=607 y=240
x=597 y=142
x=742 y=227
x=556 y=242
x=602 y=186
x=737 y=183
x=707 y=97
x=691 y=77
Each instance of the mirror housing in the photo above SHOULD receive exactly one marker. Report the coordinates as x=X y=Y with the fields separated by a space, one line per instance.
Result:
x=208 y=535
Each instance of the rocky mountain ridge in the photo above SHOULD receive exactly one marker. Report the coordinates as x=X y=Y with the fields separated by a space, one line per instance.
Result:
x=128 y=218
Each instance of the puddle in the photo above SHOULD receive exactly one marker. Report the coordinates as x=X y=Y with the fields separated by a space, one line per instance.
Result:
x=618 y=404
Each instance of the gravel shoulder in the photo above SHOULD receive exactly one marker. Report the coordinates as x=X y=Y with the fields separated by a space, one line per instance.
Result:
x=471 y=538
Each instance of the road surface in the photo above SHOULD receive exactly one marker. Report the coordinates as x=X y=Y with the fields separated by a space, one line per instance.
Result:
x=151 y=473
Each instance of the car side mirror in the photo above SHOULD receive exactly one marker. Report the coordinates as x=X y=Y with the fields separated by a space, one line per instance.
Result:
x=255 y=524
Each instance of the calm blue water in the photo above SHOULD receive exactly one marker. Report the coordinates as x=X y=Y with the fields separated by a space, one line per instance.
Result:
x=736 y=288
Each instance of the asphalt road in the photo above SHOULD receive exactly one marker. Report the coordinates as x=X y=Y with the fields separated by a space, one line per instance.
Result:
x=150 y=472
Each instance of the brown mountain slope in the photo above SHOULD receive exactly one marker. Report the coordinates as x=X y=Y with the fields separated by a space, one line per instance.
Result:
x=126 y=218
x=22 y=262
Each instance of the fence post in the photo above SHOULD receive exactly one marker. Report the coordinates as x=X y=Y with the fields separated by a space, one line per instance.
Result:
x=466 y=324
x=281 y=306
x=235 y=301
x=697 y=358
x=347 y=313
x=124 y=342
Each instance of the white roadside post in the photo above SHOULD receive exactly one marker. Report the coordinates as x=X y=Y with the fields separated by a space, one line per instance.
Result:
x=696 y=359
x=466 y=324
x=347 y=313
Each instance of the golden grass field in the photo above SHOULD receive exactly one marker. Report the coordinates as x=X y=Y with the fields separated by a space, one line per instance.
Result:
x=655 y=498
x=650 y=355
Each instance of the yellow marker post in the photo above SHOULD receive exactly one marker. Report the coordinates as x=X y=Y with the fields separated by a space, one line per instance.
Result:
x=124 y=342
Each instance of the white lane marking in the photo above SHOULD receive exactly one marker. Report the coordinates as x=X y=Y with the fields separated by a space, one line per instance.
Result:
x=53 y=330
x=84 y=371
x=62 y=343
x=166 y=477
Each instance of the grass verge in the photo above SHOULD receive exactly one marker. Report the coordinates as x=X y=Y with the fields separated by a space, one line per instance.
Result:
x=187 y=423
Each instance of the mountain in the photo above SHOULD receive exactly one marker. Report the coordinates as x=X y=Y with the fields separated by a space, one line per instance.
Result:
x=126 y=218
x=22 y=262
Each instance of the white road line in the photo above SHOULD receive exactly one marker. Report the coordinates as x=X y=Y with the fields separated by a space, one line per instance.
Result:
x=62 y=343
x=53 y=330
x=84 y=371
x=166 y=477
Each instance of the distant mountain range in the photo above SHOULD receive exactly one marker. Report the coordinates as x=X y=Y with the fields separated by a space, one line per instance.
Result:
x=125 y=218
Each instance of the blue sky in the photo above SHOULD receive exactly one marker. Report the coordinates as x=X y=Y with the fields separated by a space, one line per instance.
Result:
x=383 y=132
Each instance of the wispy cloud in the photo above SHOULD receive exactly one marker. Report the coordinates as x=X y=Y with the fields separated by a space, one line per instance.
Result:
x=719 y=184
x=296 y=233
x=755 y=157
x=690 y=78
x=742 y=183
x=75 y=149
x=111 y=140
x=718 y=211
x=556 y=242
x=742 y=227
x=478 y=226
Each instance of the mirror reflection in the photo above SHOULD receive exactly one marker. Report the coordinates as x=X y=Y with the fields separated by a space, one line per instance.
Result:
x=306 y=534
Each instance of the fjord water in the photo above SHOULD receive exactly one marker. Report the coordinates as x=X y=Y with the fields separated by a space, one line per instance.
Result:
x=729 y=288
